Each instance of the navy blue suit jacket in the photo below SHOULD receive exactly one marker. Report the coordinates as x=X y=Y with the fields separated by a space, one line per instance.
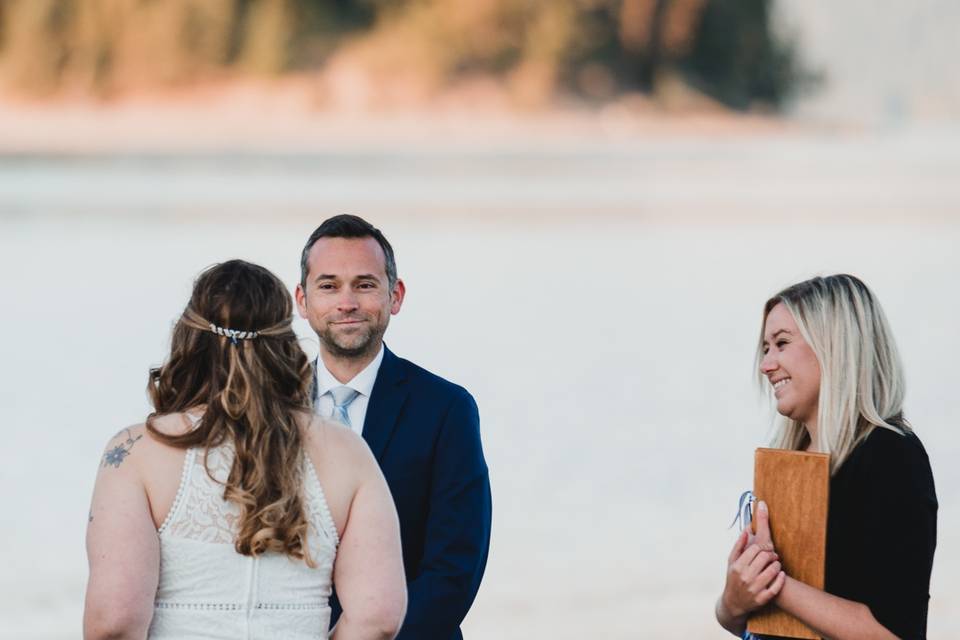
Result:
x=425 y=433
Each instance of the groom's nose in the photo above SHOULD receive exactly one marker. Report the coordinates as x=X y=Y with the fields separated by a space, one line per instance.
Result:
x=347 y=300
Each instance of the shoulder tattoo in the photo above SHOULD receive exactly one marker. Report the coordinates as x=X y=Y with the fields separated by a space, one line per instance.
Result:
x=116 y=455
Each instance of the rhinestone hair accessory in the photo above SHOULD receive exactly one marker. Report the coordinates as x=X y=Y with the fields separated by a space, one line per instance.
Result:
x=233 y=334
x=194 y=320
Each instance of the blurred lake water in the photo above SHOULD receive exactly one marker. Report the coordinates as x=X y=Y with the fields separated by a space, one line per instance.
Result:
x=601 y=301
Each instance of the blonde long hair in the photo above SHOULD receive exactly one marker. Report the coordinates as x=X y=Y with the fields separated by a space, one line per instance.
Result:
x=252 y=391
x=861 y=378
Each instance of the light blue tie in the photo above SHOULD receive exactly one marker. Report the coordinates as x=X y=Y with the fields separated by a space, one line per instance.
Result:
x=342 y=397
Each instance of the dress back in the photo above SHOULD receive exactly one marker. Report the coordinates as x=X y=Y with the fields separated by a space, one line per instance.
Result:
x=208 y=590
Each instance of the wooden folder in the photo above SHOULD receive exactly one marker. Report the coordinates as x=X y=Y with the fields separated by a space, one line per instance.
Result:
x=795 y=485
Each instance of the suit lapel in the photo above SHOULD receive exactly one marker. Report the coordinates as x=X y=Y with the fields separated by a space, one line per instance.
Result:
x=386 y=401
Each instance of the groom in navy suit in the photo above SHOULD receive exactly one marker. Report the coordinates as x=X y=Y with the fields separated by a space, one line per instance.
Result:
x=423 y=430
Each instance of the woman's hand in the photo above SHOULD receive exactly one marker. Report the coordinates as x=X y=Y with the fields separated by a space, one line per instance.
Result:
x=754 y=575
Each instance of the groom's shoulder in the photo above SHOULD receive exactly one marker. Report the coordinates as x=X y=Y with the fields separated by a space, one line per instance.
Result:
x=423 y=380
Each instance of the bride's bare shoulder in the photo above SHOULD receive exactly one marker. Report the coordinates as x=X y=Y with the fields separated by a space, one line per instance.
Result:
x=332 y=442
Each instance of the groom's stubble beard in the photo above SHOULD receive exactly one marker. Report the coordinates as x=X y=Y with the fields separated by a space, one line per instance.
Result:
x=356 y=346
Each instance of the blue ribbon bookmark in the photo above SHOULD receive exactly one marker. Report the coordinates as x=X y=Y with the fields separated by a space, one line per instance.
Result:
x=744 y=515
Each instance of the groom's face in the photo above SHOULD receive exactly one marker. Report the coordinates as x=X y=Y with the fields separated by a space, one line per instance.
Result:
x=347 y=298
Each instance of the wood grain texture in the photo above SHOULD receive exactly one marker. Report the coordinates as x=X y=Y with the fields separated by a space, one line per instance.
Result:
x=796 y=486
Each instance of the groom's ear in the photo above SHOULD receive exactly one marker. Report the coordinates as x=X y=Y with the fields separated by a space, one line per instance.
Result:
x=396 y=297
x=300 y=294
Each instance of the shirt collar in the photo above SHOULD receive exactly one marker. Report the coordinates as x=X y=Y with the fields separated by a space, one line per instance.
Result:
x=362 y=382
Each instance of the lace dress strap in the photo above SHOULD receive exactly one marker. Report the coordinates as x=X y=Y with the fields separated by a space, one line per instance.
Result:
x=317 y=505
x=185 y=474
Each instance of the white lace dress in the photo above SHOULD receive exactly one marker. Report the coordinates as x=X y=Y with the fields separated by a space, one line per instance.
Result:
x=208 y=590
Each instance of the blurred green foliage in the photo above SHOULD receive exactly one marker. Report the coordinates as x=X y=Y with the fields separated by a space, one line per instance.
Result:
x=537 y=49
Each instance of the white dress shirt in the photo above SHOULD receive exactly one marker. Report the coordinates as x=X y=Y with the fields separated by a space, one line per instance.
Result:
x=362 y=383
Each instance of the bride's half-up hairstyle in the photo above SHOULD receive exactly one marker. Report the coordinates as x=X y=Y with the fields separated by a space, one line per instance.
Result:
x=235 y=354
x=861 y=377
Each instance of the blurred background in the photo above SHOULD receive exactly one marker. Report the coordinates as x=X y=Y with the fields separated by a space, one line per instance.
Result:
x=590 y=201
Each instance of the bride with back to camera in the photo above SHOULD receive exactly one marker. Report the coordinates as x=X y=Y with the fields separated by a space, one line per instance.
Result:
x=222 y=515
x=827 y=354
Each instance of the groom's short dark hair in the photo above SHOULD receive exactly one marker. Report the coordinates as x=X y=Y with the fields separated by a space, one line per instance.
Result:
x=349 y=226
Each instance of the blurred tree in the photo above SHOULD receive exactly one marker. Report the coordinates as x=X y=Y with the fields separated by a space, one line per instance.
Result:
x=738 y=58
x=35 y=38
x=537 y=48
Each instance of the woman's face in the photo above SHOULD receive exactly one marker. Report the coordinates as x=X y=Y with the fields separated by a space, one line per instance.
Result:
x=791 y=367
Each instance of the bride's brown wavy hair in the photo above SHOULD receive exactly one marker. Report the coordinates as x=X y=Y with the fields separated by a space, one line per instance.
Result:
x=252 y=391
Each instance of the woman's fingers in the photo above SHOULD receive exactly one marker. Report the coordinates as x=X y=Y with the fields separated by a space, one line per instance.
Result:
x=751 y=562
x=766 y=577
x=754 y=576
x=763 y=537
x=738 y=547
x=761 y=562
x=771 y=592
x=742 y=563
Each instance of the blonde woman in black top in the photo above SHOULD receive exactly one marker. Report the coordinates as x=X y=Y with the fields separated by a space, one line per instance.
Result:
x=827 y=355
